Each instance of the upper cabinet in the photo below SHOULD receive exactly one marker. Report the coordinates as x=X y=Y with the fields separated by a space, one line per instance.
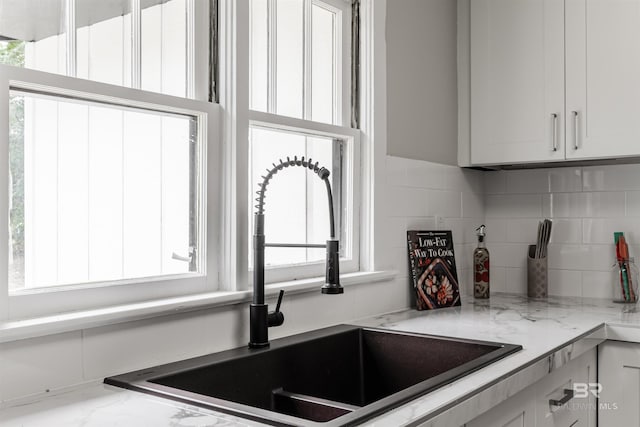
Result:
x=602 y=78
x=553 y=80
x=517 y=81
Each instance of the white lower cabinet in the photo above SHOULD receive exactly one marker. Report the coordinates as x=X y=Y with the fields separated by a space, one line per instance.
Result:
x=561 y=399
x=619 y=376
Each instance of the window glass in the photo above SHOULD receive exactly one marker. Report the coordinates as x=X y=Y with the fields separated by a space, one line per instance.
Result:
x=323 y=62
x=259 y=76
x=289 y=42
x=34 y=34
x=296 y=60
x=98 y=192
x=103 y=31
x=164 y=46
x=296 y=209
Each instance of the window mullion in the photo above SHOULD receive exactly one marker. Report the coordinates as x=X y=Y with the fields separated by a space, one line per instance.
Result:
x=191 y=49
x=307 y=58
x=70 y=6
x=272 y=56
x=136 y=44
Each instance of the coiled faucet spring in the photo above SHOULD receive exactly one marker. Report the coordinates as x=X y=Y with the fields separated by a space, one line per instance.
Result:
x=323 y=173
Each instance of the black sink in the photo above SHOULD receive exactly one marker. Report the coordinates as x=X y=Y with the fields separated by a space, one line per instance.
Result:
x=335 y=376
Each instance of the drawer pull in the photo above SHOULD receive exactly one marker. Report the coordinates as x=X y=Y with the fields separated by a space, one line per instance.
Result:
x=568 y=395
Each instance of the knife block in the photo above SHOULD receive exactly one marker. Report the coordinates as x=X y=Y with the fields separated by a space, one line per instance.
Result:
x=537 y=275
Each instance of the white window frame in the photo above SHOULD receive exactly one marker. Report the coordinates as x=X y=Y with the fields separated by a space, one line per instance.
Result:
x=239 y=117
x=36 y=302
x=350 y=184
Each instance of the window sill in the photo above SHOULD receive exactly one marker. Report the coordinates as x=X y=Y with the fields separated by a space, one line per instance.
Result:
x=66 y=322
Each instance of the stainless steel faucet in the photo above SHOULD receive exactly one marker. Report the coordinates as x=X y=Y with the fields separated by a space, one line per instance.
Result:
x=259 y=317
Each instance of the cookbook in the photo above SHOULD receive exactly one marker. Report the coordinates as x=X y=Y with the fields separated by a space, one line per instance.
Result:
x=432 y=269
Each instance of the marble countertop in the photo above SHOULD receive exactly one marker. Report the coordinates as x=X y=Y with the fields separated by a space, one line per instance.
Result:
x=543 y=328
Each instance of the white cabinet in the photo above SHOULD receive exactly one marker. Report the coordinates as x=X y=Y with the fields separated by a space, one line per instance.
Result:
x=517 y=81
x=580 y=409
x=518 y=411
x=603 y=78
x=534 y=406
x=619 y=376
x=554 y=80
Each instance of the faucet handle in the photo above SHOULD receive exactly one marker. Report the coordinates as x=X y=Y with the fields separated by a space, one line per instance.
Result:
x=279 y=300
x=276 y=318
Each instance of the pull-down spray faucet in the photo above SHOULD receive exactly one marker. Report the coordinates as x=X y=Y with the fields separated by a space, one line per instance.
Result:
x=259 y=318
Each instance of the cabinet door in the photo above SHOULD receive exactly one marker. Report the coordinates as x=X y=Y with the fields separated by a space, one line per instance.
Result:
x=577 y=377
x=517 y=411
x=619 y=376
x=517 y=81
x=603 y=78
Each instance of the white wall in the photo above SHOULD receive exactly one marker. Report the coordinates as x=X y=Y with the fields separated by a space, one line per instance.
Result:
x=422 y=80
x=587 y=204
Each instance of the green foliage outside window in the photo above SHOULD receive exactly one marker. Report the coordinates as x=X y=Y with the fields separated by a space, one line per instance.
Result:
x=12 y=53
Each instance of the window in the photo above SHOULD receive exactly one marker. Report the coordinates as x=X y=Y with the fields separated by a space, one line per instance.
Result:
x=299 y=105
x=145 y=44
x=112 y=153
x=105 y=192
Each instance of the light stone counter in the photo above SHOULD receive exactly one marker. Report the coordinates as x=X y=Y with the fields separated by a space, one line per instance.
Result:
x=551 y=333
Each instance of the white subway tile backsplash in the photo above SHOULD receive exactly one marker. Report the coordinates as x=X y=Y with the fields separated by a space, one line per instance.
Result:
x=495 y=182
x=395 y=231
x=522 y=230
x=472 y=205
x=497 y=279
x=584 y=205
x=444 y=203
x=565 y=283
x=579 y=257
x=600 y=230
x=611 y=178
x=419 y=223
x=544 y=180
x=463 y=229
x=425 y=175
x=596 y=284
x=587 y=205
x=465 y=180
x=633 y=204
x=513 y=206
x=516 y=280
x=496 y=230
x=566 y=231
x=508 y=254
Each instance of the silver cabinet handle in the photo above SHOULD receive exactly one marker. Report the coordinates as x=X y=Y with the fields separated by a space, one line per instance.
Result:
x=575 y=129
x=568 y=395
x=554 y=129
